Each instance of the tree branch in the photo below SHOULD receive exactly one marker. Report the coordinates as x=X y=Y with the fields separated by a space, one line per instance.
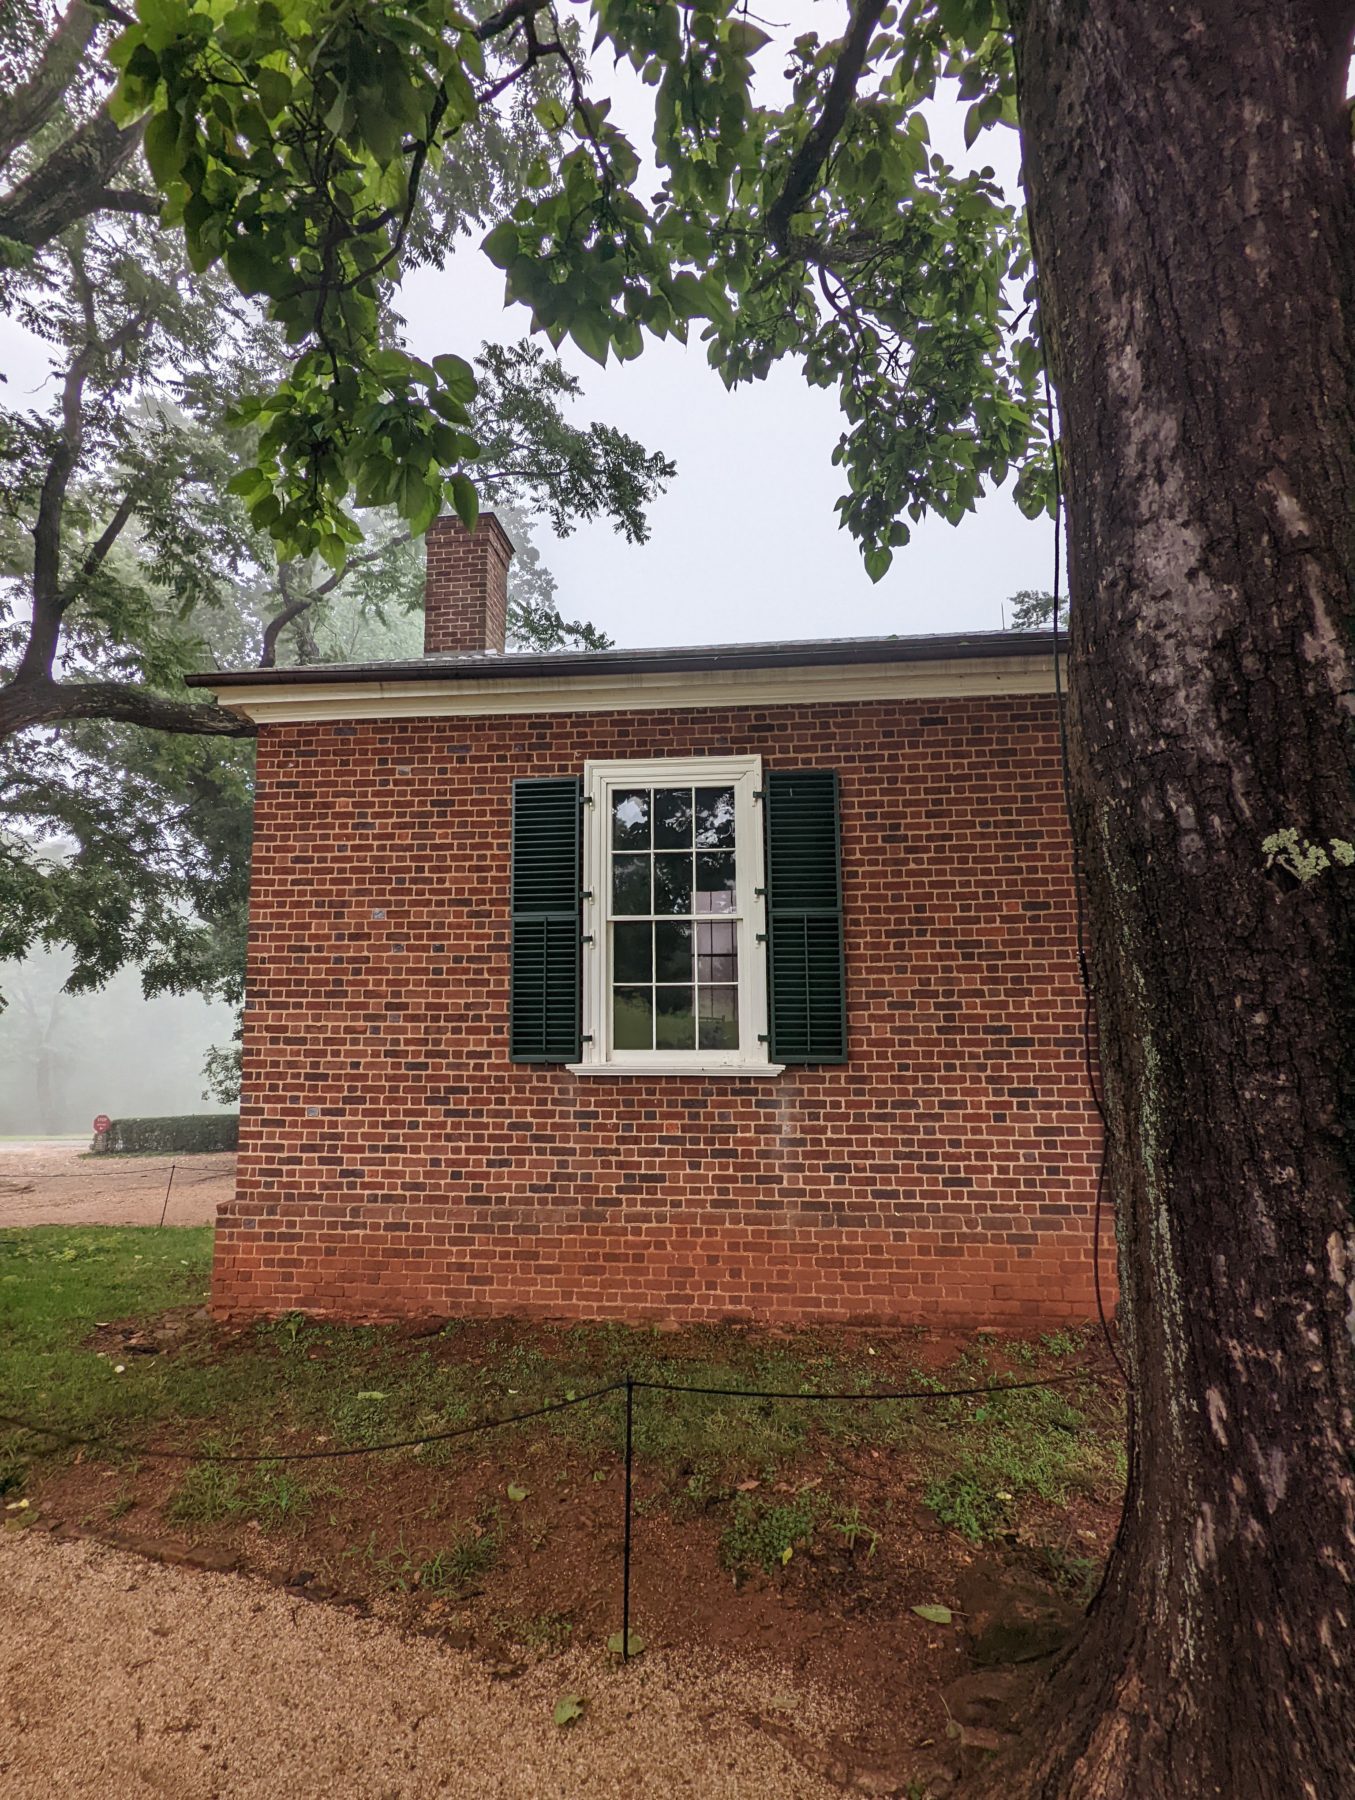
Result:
x=36 y=701
x=507 y=17
x=69 y=184
x=813 y=153
x=275 y=627
x=29 y=109
x=360 y=562
x=127 y=200
x=48 y=604
x=107 y=538
x=50 y=599
x=295 y=607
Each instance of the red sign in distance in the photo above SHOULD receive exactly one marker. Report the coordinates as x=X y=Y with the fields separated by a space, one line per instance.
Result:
x=102 y=1122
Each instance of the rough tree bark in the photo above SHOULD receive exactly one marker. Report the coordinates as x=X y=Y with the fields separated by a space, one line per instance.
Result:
x=31 y=106
x=72 y=183
x=1189 y=175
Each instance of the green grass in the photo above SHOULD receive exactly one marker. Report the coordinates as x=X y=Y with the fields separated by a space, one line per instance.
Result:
x=765 y=1534
x=471 y=1554
x=450 y=1570
x=56 y=1283
x=1008 y=1448
x=290 y=1381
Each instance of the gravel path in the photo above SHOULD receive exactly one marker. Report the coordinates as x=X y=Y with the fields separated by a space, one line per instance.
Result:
x=55 y=1184
x=123 y=1677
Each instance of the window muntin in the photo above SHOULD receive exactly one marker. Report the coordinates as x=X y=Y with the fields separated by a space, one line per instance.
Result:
x=671 y=918
x=675 y=976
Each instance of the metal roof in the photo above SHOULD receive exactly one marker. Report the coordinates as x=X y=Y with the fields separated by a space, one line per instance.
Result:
x=552 y=664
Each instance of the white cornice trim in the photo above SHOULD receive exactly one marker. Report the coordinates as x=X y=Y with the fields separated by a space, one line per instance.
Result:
x=962 y=678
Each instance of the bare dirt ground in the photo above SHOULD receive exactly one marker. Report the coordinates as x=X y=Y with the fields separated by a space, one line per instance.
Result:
x=120 y=1676
x=51 y=1183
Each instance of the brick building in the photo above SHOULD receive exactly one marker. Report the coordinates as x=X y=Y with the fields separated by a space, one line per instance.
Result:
x=726 y=982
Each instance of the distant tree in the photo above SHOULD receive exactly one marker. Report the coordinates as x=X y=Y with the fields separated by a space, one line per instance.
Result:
x=1029 y=609
x=126 y=560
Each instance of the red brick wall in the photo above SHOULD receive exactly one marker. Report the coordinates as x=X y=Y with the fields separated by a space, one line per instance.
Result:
x=393 y=1160
x=466 y=586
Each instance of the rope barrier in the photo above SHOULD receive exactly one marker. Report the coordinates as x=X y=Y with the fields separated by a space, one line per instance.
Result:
x=629 y=1385
x=156 y=1454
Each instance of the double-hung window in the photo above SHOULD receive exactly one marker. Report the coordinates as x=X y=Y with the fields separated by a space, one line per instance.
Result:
x=677 y=917
x=674 y=976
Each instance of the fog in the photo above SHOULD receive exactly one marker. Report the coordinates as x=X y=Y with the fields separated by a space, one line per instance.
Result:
x=66 y=1057
x=744 y=545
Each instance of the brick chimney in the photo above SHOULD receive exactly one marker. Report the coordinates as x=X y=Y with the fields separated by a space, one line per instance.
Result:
x=466 y=587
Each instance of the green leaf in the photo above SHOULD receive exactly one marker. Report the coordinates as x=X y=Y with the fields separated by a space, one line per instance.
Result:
x=252 y=269
x=591 y=335
x=275 y=90
x=161 y=144
x=164 y=20
x=568 y=1708
x=935 y=1615
x=457 y=377
x=465 y=500
x=745 y=38
x=390 y=365
x=515 y=1492
x=501 y=244
x=877 y=563
x=635 y=1645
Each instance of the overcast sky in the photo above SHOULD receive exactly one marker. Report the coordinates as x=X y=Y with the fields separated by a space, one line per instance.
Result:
x=745 y=545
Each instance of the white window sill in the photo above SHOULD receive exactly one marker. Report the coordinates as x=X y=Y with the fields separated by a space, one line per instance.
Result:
x=704 y=1070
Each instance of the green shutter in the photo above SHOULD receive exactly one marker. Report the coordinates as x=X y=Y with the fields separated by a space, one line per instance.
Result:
x=543 y=1004
x=806 y=974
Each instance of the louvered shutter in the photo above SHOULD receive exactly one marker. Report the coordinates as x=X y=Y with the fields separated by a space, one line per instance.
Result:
x=543 y=1006
x=806 y=975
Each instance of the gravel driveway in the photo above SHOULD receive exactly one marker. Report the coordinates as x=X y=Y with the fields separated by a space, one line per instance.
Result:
x=124 y=1677
x=53 y=1183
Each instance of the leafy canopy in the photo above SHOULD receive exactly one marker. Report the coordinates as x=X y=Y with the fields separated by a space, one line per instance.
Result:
x=127 y=562
x=291 y=139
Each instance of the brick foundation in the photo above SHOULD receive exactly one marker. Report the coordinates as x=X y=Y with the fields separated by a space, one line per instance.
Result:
x=393 y=1161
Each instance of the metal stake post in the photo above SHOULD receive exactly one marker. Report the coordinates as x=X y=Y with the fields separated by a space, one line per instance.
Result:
x=168 y=1185
x=625 y=1553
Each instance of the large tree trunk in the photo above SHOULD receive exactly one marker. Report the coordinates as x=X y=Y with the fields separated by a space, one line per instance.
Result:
x=1189 y=174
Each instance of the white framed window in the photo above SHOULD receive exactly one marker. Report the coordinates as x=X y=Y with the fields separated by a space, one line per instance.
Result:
x=674 y=970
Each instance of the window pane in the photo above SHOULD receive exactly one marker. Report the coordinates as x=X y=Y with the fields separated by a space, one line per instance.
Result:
x=673 y=819
x=714 y=818
x=631 y=952
x=719 y=1018
x=673 y=953
x=630 y=884
x=674 y=1021
x=716 y=951
x=630 y=819
x=715 y=882
x=633 y=1018
x=672 y=884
